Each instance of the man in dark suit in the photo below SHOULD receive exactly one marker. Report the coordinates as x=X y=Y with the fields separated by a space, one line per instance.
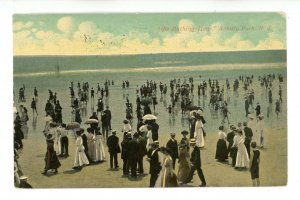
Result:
x=154 y=130
x=229 y=138
x=108 y=117
x=155 y=166
x=196 y=164
x=105 y=125
x=248 y=137
x=133 y=149
x=172 y=146
x=113 y=149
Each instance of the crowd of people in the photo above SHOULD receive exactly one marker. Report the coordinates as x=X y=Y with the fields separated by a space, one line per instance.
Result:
x=91 y=143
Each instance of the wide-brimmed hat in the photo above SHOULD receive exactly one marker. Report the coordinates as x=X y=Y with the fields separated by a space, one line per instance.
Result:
x=184 y=132
x=164 y=149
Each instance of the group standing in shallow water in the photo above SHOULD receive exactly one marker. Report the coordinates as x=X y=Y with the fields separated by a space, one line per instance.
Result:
x=90 y=147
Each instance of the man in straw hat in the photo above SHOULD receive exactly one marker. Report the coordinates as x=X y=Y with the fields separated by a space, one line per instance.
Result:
x=155 y=166
x=24 y=183
x=196 y=164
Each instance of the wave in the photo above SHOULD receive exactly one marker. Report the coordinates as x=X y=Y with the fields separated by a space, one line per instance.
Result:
x=160 y=69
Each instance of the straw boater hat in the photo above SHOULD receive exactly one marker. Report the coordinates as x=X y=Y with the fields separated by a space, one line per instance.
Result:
x=23 y=178
x=155 y=143
x=193 y=141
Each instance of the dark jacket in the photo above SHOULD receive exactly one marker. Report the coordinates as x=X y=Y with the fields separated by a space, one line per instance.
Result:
x=142 y=146
x=154 y=130
x=133 y=149
x=124 y=145
x=195 y=157
x=84 y=142
x=229 y=138
x=104 y=119
x=173 y=148
x=154 y=163
x=108 y=114
x=113 y=144
x=248 y=133
x=192 y=129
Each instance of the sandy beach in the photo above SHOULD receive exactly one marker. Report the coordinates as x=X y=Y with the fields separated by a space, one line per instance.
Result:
x=273 y=167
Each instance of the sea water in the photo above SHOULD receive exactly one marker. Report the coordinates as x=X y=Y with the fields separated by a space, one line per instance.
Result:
x=56 y=73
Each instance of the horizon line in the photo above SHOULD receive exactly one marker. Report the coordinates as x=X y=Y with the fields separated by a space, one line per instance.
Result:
x=127 y=54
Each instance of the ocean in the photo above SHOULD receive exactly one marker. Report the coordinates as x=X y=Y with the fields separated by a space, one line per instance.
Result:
x=42 y=72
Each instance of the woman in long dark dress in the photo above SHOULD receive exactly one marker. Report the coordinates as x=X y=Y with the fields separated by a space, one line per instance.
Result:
x=184 y=167
x=51 y=159
x=221 y=152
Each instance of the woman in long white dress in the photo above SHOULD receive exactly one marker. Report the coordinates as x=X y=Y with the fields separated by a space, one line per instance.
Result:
x=149 y=137
x=198 y=134
x=99 y=148
x=80 y=157
x=242 y=158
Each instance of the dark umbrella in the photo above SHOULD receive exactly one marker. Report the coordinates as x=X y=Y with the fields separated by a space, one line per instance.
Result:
x=193 y=108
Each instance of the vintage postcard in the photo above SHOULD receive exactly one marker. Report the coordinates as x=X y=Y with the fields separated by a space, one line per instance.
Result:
x=112 y=100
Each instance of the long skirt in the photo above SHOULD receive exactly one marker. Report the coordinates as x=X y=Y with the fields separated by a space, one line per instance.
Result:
x=166 y=179
x=80 y=158
x=184 y=169
x=242 y=159
x=221 y=152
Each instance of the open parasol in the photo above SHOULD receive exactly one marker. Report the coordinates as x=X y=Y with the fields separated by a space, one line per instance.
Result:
x=91 y=121
x=73 y=125
x=149 y=117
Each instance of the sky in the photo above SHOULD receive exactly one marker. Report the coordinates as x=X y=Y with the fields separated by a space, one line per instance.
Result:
x=114 y=34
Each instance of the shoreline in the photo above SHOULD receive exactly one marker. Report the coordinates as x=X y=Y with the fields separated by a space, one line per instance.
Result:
x=210 y=67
